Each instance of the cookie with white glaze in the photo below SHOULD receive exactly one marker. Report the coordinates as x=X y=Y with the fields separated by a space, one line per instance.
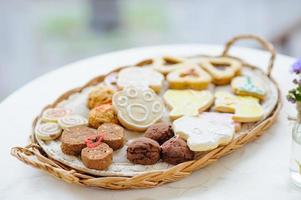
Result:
x=54 y=114
x=48 y=131
x=72 y=121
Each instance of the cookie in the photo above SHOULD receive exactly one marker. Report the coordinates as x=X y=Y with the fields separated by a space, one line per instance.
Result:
x=143 y=151
x=160 y=132
x=72 y=121
x=204 y=133
x=102 y=114
x=222 y=69
x=176 y=151
x=113 y=135
x=111 y=80
x=99 y=157
x=167 y=64
x=48 y=131
x=245 y=109
x=73 y=139
x=99 y=96
x=138 y=108
x=187 y=102
x=140 y=77
x=246 y=86
x=189 y=77
x=53 y=114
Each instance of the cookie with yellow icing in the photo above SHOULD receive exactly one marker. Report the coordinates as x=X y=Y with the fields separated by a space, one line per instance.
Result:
x=189 y=77
x=245 y=109
x=222 y=69
x=140 y=77
x=138 y=108
x=187 y=102
x=246 y=86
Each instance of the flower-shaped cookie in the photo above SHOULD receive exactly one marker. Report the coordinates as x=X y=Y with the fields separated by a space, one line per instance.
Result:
x=140 y=77
x=138 y=108
x=222 y=69
x=187 y=102
x=191 y=76
x=245 y=109
x=206 y=131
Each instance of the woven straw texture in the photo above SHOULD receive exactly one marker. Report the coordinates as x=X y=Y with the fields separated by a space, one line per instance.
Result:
x=33 y=154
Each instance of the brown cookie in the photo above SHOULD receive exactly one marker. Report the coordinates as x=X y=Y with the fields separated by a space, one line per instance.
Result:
x=99 y=96
x=99 y=157
x=175 y=151
x=160 y=132
x=144 y=151
x=113 y=135
x=102 y=114
x=73 y=139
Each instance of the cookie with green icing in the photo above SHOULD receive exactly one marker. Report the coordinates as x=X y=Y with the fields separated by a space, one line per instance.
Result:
x=246 y=86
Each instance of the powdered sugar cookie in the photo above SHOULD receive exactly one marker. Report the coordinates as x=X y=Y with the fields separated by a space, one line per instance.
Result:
x=187 y=102
x=53 y=114
x=245 y=109
x=222 y=69
x=189 y=77
x=140 y=77
x=72 y=121
x=138 y=108
x=204 y=133
x=246 y=86
x=48 y=131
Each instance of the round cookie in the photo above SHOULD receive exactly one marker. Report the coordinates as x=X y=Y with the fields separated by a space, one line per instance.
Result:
x=48 y=131
x=99 y=96
x=175 y=151
x=54 y=114
x=144 y=151
x=73 y=139
x=72 y=121
x=99 y=157
x=113 y=135
x=160 y=132
x=102 y=114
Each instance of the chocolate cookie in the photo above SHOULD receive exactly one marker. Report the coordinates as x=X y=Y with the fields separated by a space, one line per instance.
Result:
x=99 y=157
x=160 y=132
x=143 y=151
x=113 y=135
x=175 y=151
x=73 y=139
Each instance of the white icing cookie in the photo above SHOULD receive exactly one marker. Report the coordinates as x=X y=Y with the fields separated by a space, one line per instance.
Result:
x=246 y=86
x=48 y=131
x=53 y=114
x=205 y=132
x=187 y=102
x=140 y=77
x=72 y=121
x=137 y=108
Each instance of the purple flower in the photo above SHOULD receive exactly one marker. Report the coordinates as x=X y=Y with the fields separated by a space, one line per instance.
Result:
x=296 y=68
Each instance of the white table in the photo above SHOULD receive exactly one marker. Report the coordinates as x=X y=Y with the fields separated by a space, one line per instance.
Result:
x=257 y=171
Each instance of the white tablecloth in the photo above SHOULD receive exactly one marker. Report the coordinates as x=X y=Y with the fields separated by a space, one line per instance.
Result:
x=257 y=171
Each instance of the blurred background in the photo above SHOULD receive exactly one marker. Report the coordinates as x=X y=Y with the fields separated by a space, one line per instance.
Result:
x=37 y=36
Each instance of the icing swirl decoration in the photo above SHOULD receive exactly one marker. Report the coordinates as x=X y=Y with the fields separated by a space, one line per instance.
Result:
x=53 y=114
x=72 y=121
x=48 y=131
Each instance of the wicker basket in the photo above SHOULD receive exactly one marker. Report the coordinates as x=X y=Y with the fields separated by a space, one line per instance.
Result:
x=33 y=154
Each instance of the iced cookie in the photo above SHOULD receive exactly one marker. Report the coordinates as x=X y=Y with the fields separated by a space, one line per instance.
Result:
x=99 y=157
x=140 y=77
x=113 y=135
x=138 y=108
x=111 y=80
x=48 y=131
x=187 y=102
x=53 y=114
x=245 y=86
x=102 y=114
x=189 y=77
x=72 y=121
x=245 y=109
x=99 y=96
x=204 y=133
x=222 y=69
x=167 y=64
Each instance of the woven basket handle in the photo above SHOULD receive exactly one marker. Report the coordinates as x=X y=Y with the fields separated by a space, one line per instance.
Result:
x=265 y=44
